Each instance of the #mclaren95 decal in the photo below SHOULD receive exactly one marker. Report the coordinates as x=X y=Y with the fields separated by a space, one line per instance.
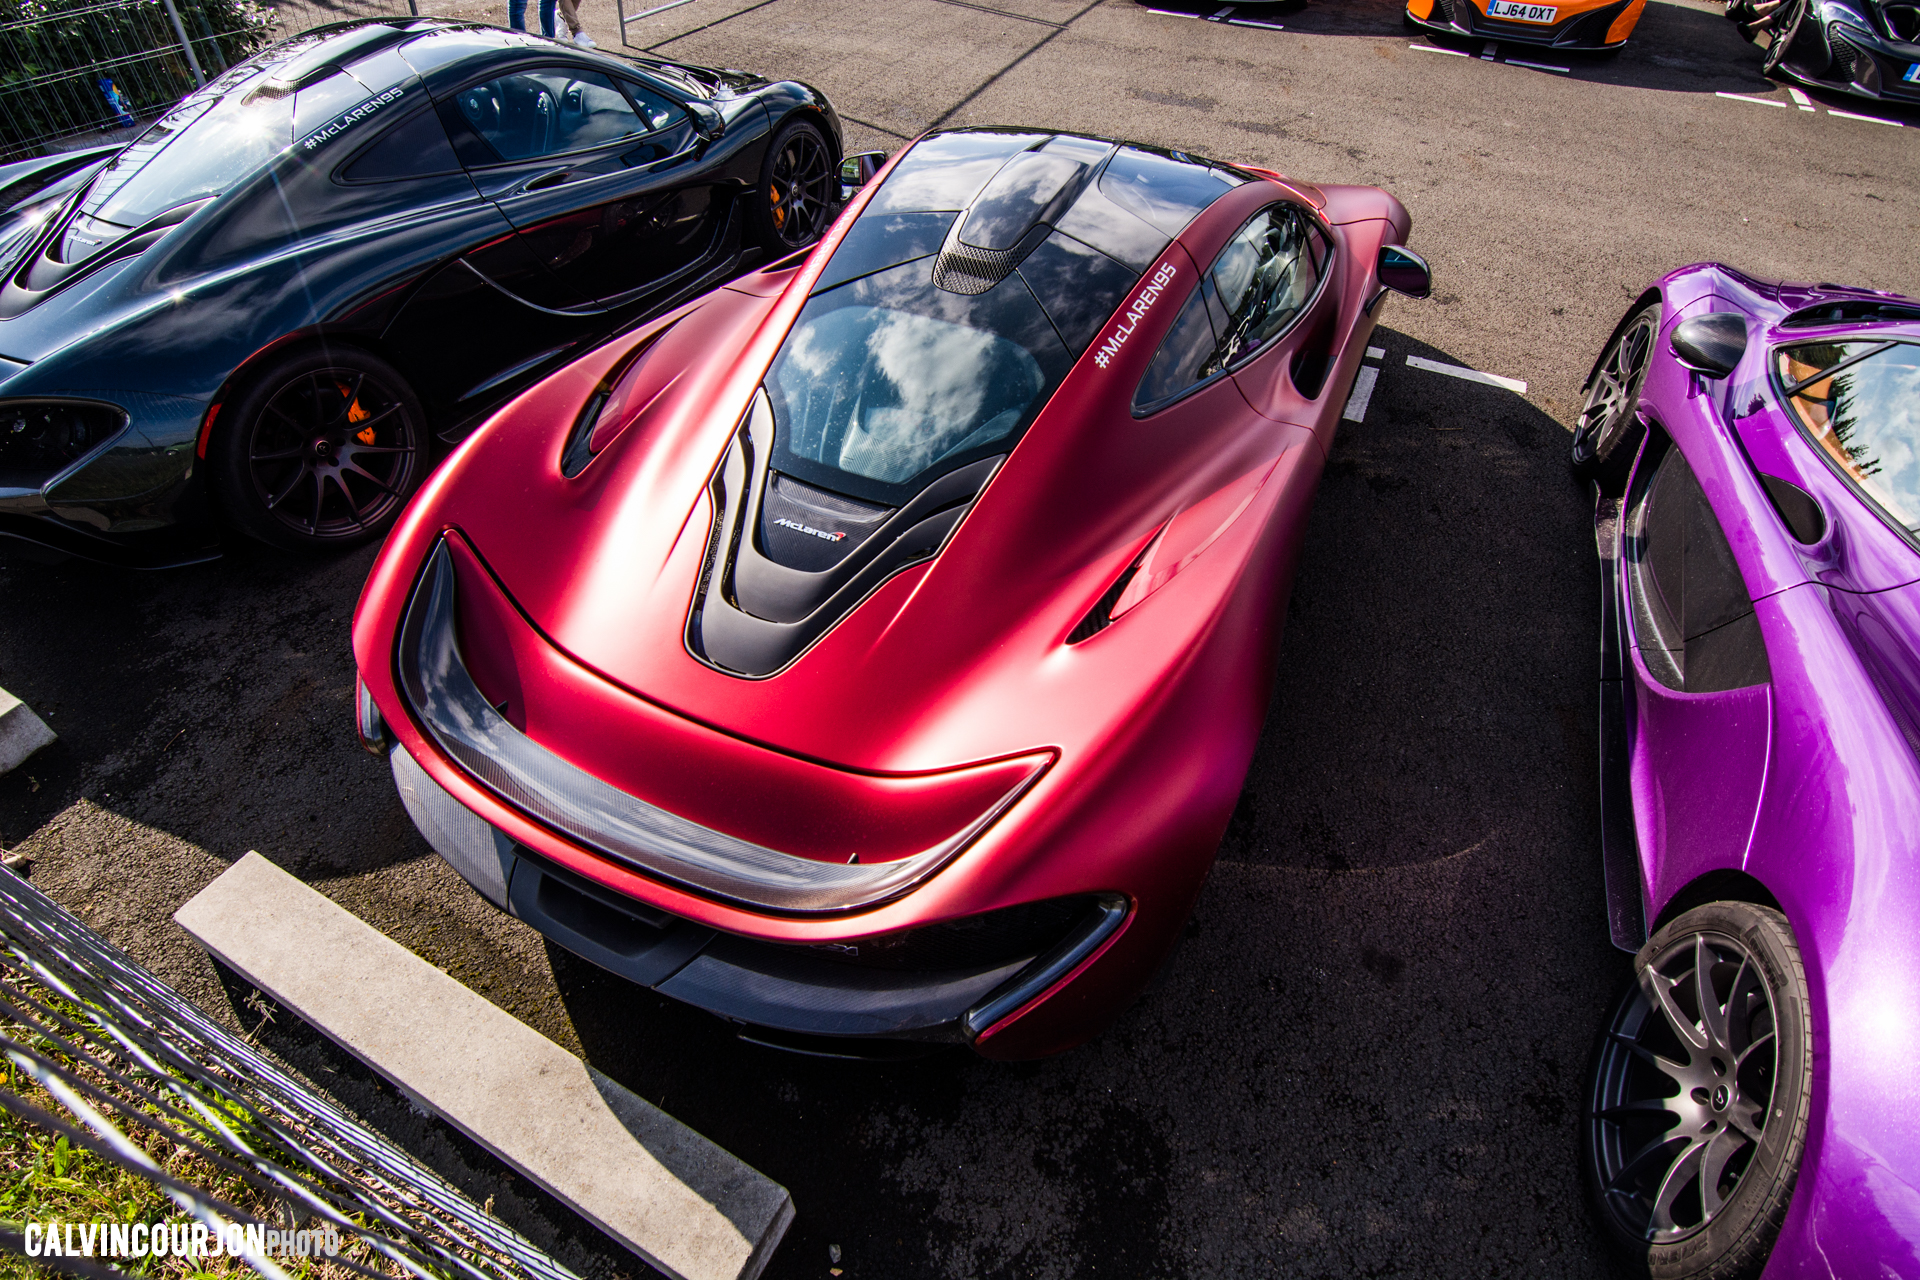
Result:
x=1143 y=303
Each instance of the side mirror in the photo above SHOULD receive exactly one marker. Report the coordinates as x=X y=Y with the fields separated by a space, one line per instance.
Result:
x=1711 y=344
x=857 y=170
x=707 y=122
x=1404 y=271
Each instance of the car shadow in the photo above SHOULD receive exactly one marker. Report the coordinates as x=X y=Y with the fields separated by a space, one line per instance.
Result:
x=213 y=702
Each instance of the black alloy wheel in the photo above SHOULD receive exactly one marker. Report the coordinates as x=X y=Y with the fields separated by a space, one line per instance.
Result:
x=1604 y=442
x=1789 y=24
x=321 y=452
x=799 y=188
x=1698 y=1095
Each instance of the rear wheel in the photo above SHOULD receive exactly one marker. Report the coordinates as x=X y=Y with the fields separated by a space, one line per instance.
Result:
x=799 y=188
x=1698 y=1095
x=1610 y=427
x=320 y=452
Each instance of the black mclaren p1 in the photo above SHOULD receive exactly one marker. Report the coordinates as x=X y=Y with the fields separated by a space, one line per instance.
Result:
x=271 y=309
x=1868 y=48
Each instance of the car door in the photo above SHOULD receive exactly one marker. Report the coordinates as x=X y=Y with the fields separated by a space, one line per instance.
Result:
x=1701 y=677
x=484 y=314
x=601 y=176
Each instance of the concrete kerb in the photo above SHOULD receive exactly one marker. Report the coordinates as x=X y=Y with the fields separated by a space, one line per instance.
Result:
x=21 y=732
x=678 y=1201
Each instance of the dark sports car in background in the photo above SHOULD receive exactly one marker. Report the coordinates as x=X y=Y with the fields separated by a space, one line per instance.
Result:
x=1868 y=48
x=874 y=650
x=1754 y=1099
x=265 y=310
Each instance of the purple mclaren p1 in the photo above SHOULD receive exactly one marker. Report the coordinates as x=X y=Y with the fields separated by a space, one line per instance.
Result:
x=1754 y=1101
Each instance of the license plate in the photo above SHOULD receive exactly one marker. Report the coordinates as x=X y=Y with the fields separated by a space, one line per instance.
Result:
x=1913 y=73
x=1521 y=12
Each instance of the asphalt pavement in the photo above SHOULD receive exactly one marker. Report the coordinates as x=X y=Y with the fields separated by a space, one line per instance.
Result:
x=1364 y=1058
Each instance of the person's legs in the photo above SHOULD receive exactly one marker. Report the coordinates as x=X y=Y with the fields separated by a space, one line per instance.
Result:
x=517 y=14
x=570 y=11
x=546 y=18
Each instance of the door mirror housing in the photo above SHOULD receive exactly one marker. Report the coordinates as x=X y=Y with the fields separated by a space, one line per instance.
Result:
x=857 y=170
x=707 y=122
x=1404 y=271
x=1710 y=344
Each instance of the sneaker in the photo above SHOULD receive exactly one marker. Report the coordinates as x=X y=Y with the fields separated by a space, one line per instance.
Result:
x=584 y=40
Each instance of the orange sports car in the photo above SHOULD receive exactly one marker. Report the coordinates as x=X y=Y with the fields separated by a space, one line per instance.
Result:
x=1566 y=24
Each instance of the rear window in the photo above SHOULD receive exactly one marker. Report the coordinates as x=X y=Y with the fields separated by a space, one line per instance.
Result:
x=886 y=383
x=201 y=149
x=1859 y=402
x=1166 y=190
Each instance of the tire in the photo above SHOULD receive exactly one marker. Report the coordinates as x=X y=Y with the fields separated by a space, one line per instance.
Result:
x=1654 y=1124
x=799 y=189
x=319 y=452
x=1610 y=430
x=1794 y=27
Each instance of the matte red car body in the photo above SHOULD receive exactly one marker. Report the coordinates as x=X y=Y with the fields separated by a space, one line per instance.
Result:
x=955 y=673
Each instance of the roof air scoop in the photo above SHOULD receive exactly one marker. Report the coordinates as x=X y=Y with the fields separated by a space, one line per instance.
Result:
x=1008 y=220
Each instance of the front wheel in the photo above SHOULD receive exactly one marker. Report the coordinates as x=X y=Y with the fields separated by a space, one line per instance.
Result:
x=320 y=452
x=1610 y=421
x=799 y=188
x=1698 y=1094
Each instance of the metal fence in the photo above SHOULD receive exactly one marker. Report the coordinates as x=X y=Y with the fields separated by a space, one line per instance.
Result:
x=150 y=1084
x=79 y=67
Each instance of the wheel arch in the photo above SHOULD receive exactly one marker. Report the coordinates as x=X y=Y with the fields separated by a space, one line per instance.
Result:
x=1724 y=884
x=281 y=348
x=1646 y=298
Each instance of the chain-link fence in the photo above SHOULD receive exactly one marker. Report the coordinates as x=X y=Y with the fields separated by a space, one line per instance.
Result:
x=80 y=67
x=114 y=1085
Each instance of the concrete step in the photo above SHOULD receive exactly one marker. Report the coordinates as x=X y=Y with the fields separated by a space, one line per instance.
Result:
x=21 y=732
x=680 y=1202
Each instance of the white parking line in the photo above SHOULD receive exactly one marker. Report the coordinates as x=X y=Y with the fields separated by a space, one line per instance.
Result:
x=1469 y=375
x=1251 y=22
x=1424 y=48
x=1800 y=98
x=1539 y=66
x=1491 y=54
x=1356 y=410
x=1848 y=115
x=1374 y=353
x=1741 y=97
x=1173 y=13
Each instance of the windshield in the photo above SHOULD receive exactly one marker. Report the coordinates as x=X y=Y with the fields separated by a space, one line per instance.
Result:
x=1864 y=415
x=886 y=381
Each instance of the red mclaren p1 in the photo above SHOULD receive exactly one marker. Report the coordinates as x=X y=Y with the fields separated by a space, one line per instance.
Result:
x=873 y=649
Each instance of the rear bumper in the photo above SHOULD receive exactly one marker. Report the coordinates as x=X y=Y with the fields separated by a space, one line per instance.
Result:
x=1580 y=31
x=797 y=990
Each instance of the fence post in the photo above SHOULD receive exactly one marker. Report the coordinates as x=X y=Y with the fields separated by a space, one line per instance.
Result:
x=186 y=45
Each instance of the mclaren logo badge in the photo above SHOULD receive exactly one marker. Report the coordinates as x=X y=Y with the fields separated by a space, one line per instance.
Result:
x=1141 y=305
x=796 y=526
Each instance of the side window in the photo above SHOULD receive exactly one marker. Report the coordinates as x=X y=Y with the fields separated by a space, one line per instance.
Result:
x=1188 y=347
x=1859 y=402
x=1693 y=621
x=1254 y=291
x=548 y=111
x=414 y=148
x=655 y=108
x=1265 y=276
